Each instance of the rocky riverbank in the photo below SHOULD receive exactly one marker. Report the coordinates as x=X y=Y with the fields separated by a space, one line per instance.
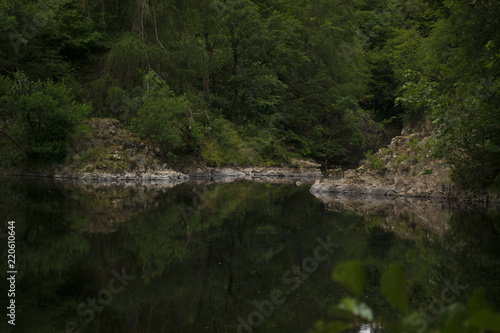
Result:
x=403 y=169
x=261 y=174
x=108 y=153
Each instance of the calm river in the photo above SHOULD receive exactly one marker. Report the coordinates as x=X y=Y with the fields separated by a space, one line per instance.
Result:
x=228 y=257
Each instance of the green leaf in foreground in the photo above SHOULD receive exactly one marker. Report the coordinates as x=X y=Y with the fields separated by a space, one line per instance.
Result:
x=351 y=275
x=485 y=320
x=333 y=327
x=393 y=288
x=453 y=317
x=477 y=302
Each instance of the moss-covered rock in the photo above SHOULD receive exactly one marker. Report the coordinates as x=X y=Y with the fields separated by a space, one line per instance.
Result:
x=108 y=147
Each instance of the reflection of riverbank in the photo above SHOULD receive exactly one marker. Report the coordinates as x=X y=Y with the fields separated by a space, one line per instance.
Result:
x=89 y=206
x=400 y=214
x=103 y=205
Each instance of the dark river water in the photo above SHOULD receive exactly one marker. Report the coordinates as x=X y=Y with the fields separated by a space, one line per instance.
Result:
x=228 y=257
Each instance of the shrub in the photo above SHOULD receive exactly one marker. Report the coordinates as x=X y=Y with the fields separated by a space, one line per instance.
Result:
x=357 y=139
x=413 y=143
x=38 y=117
x=166 y=119
x=269 y=148
x=427 y=171
x=374 y=160
x=401 y=158
x=222 y=145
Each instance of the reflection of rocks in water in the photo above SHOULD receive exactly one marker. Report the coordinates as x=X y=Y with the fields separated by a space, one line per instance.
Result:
x=256 y=173
x=103 y=208
x=369 y=328
x=400 y=215
x=267 y=180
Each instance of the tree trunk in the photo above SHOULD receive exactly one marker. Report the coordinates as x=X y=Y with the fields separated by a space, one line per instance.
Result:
x=234 y=72
x=207 y=78
x=137 y=25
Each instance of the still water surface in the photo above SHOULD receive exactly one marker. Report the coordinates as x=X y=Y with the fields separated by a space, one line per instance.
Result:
x=245 y=256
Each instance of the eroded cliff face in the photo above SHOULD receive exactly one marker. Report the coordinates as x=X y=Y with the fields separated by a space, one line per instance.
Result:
x=404 y=168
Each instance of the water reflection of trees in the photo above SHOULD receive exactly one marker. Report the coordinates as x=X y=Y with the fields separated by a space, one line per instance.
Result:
x=207 y=270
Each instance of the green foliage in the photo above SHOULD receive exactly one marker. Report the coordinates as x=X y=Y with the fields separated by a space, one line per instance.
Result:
x=351 y=275
x=467 y=135
x=292 y=70
x=222 y=145
x=357 y=139
x=413 y=144
x=167 y=119
x=457 y=85
x=38 y=117
x=310 y=76
x=269 y=148
x=393 y=32
x=50 y=39
x=401 y=158
x=427 y=172
x=393 y=288
x=477 y=316
x=374 y=161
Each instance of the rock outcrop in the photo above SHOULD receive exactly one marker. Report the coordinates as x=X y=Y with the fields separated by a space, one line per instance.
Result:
x=403 y=169
x=108 y=153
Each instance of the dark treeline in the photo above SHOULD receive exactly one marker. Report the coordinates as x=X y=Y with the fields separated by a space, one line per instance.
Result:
x=254 y=82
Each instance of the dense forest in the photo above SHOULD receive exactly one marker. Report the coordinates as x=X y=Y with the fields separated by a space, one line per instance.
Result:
x=254 y=82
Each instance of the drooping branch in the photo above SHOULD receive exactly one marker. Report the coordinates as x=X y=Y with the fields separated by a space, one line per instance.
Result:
x=18 y=145
x=156 y=28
